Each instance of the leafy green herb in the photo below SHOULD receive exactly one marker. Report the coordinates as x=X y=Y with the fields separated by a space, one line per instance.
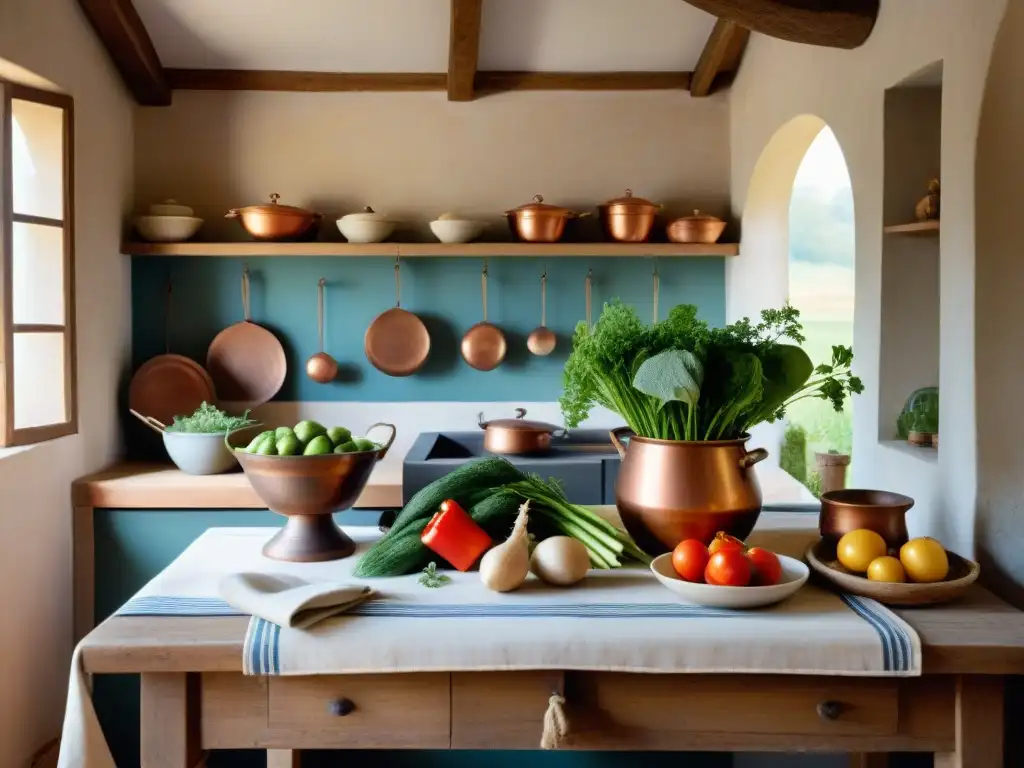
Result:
x=680 y=379
x=432 y=579
x=208 y=419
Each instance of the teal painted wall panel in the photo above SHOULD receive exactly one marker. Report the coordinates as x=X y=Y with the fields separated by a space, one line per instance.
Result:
x=132 y=546
x=444 y=292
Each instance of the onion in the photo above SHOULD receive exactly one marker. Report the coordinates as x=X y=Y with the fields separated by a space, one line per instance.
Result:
x=506 y=566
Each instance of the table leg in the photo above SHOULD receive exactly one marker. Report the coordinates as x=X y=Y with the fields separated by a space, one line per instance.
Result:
x=283 y=758
x=979 y=724
x=170 y=720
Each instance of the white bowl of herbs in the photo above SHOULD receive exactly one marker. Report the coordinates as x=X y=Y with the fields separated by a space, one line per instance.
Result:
x=195 y=443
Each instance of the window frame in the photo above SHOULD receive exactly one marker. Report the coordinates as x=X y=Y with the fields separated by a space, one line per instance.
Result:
x=9 y=434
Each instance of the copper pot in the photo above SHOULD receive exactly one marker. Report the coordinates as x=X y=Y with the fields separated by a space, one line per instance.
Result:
x=538 y=222
x=274 y=221
x=699 y=228
x=628 y=219
x=848 y=509
x=671 y=490
x=518 y=435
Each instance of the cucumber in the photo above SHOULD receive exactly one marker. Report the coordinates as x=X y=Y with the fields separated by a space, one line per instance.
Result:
x=497 y=513
x=397 y=554
x=459 y=484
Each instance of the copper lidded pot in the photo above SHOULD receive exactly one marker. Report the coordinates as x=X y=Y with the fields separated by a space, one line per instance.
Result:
x=274 y=221
x=538 y=222
x=848 y=509
x=628 y=219
x=671 y=490
x=699 y=228
x=518 y=435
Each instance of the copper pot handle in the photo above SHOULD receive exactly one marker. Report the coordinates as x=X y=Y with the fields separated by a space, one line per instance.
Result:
x=384 y=449
x=750 y=459
x=617 y=435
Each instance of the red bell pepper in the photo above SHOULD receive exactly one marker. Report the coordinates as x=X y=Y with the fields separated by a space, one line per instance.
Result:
x=455 y=536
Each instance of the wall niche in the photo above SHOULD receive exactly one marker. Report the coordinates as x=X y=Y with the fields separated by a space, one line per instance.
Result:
x=909 y=344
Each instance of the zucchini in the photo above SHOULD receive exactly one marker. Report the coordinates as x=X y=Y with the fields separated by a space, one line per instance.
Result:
x=397 y=553
x=496 y=513
x=459 y=484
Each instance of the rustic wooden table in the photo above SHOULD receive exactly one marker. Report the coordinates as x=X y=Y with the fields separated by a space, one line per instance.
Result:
x=195 y=698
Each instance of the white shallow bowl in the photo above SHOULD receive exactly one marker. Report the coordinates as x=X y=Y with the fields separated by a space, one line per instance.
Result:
x=457 y=230
x=167 y=229
x=366 y=230
x=200 y=454
x=794 y=575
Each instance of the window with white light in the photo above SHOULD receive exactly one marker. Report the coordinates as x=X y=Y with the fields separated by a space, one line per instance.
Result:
x=37 y=331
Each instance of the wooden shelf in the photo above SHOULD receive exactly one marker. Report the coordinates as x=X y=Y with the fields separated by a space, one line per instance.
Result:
x=429 y=249
x=929 y=227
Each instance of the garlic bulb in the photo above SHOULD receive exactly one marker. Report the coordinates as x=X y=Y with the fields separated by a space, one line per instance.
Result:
x=505 y=567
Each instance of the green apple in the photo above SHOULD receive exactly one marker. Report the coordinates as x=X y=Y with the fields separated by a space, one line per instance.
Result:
x=254 y=446
x=268 y=447
x=339 y=435
x=289 y=445
x=318 y=446
x=346 y=447
x=283 y=432
x=362 y=444
x=307 y=430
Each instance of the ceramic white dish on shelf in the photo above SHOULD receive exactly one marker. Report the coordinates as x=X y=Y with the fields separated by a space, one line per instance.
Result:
x=794 y=576
x=168 y=222
x=366 y=227
x=457 y=230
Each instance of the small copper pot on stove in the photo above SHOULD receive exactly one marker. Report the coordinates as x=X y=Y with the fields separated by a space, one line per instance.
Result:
x=628 y=219
x=518 y=435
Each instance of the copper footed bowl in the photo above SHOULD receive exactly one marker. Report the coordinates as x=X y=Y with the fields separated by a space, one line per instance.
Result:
x=308 y=490
x=671 y=490
x=848 y=509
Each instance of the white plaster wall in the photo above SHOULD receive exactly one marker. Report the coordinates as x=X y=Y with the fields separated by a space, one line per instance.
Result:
x=51 y=39
x=779 y=81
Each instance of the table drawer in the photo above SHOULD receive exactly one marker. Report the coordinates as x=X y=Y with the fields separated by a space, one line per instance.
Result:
x=363 y=711
x=708 y=704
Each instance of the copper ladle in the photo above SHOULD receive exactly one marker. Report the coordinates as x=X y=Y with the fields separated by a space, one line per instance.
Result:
x=541 y=340
x=484 y=345
x=321 y=367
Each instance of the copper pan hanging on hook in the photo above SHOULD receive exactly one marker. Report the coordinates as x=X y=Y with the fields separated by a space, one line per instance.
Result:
x=397 y=342
x=484 y=345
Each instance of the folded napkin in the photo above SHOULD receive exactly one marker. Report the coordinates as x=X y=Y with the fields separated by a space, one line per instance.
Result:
x=289 y=601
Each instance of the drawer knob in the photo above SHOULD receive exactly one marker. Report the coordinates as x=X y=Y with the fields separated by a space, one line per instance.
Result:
x=341 y=707
x=830 y=710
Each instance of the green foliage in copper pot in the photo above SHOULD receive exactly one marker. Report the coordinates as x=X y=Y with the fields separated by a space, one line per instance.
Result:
x=681 y=379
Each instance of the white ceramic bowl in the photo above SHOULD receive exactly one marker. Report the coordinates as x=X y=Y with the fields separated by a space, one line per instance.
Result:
x=199 y=454
x=167 y=229
x=794 y=576
x=365 y=230
x=457 y=230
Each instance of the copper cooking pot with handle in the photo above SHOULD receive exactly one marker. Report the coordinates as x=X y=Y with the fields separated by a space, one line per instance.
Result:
x=274 y=221
x=628 y=219
x=518 y=435
x=671 y=490
x=538 y=222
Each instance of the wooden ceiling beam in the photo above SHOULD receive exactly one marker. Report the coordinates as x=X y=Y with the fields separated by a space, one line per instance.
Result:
x=486 y=82
x=463 y=48
x=829 y=23
x=122 y=33
x=720 y=58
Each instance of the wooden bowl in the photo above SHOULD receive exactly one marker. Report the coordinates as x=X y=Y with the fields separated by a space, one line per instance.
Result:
x=821 y=556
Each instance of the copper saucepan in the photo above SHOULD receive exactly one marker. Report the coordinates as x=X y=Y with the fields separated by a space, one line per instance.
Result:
x=484 y=345
x=274 y=221
x=628 y=219
x=518 y=435
x=538 y=222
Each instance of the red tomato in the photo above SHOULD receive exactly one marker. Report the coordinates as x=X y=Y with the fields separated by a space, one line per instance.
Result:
x=722 y=541
x=690 y=558
x=767 y=570
x=728 y=568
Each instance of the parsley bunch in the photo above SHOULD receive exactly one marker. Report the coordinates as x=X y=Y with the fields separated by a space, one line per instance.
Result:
x=209 y=419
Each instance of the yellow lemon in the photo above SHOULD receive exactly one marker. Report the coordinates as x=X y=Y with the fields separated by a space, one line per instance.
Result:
x=858 y=548
x=886 y=568
x=924 y=560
